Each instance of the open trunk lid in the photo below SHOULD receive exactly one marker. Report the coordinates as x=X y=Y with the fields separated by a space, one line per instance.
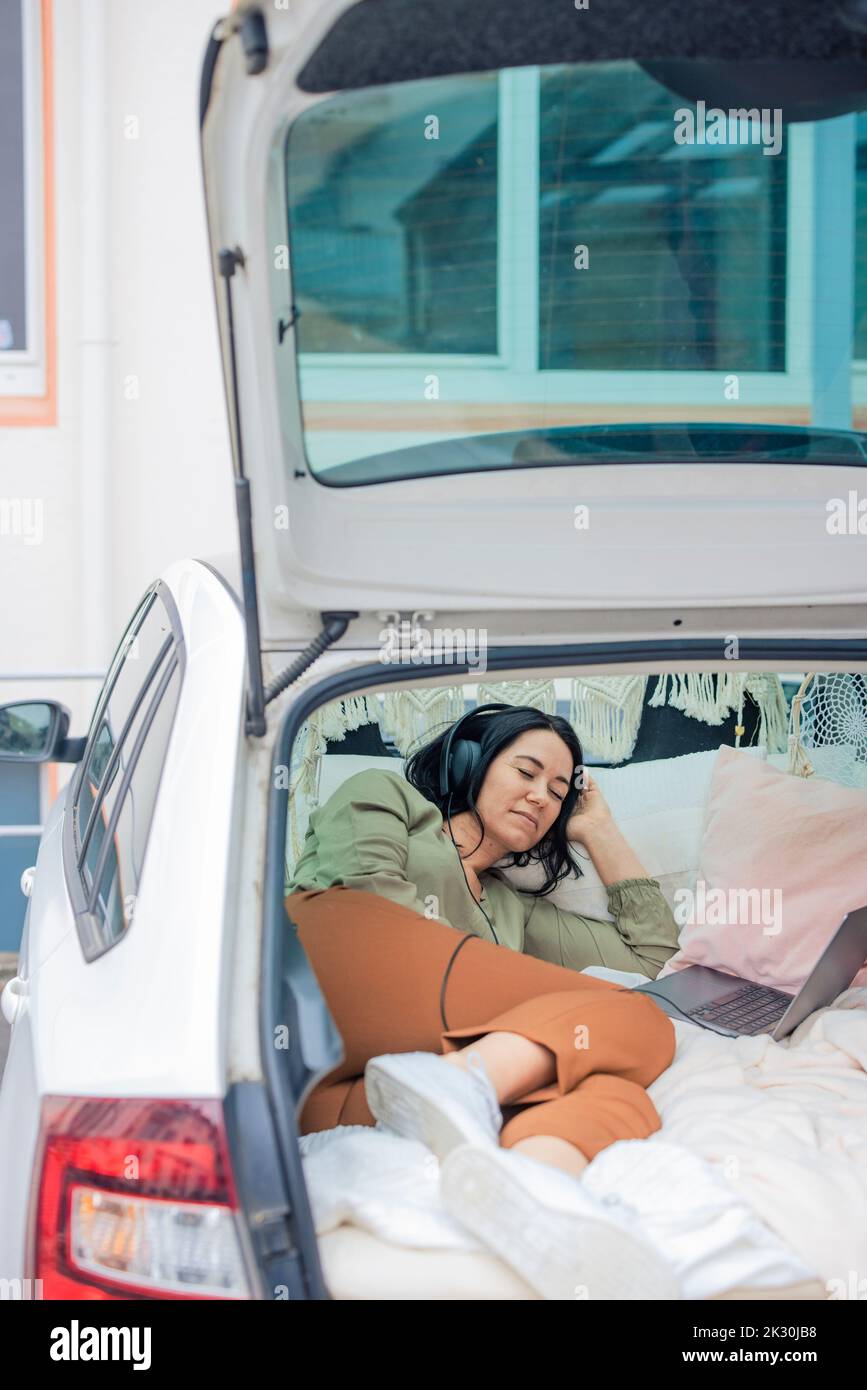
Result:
x=375 y=483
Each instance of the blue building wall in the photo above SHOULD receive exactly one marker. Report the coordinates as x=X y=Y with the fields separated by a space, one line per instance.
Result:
x=19 y=805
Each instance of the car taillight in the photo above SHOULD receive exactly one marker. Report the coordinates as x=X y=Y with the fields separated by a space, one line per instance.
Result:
x=135 y=1199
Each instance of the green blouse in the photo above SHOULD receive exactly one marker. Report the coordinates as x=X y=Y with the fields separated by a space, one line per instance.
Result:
x=377 y=832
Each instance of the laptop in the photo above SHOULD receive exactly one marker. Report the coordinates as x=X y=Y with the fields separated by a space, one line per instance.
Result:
x=732 y=1006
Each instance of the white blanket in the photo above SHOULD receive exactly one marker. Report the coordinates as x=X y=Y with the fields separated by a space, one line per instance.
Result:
x=785 y=1125
x=758 y=1176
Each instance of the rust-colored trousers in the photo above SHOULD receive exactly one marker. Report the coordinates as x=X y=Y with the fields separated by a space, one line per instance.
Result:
x=396 y=982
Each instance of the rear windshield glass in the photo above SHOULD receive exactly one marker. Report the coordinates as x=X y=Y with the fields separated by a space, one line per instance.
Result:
x=570 y=264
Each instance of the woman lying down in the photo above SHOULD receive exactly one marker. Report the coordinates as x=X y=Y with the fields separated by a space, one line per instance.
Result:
x=458 y=997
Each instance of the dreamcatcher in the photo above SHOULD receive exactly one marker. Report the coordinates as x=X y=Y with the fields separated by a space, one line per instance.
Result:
x=828 y=728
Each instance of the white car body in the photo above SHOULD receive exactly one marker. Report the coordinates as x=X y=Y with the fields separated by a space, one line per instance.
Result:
x=177 y=1007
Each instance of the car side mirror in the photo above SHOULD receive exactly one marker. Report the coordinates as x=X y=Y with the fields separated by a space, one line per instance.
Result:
x=34 y=731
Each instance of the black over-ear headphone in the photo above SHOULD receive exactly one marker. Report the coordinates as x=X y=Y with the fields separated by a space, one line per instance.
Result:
x=460 y=757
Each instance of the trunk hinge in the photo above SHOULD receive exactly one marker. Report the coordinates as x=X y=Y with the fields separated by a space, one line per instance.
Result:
x=248 y=22
x=254 y=723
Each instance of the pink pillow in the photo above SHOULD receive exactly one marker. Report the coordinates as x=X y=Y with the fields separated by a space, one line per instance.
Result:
x=790 y=856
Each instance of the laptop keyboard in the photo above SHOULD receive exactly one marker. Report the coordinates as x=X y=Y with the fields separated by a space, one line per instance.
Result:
x=749 y=1009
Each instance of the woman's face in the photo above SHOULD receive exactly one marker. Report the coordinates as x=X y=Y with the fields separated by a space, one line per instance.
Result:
x=524 y=789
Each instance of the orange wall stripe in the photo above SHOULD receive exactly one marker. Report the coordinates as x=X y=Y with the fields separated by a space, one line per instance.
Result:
x=42 y=410
x=384 y=416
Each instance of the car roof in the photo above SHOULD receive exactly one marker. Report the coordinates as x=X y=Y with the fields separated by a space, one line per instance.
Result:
x=227 y=564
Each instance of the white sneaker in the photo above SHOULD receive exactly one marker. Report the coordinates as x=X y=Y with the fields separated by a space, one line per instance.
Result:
x=422 y=1096
x=550 y=1230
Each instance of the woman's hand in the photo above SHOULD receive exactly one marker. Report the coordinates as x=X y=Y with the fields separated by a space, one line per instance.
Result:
x=593 y=826
x=593 y=814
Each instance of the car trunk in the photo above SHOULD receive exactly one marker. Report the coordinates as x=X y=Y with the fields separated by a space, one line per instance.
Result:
x=290 y=990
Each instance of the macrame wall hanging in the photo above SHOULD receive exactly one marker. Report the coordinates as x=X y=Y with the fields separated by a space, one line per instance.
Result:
x=712 y=699
x=540 y=694
x=606 y=711
x=412 y=717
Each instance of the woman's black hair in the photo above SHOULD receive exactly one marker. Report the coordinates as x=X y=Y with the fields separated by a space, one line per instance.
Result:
x=494 y=732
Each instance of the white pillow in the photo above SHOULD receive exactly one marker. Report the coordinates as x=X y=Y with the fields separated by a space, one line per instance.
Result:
x=334 y=768
x=663 y=784
x=660 y=807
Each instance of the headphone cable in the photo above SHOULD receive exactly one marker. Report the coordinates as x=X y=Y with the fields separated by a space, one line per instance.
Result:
x=654 y=994
x=464 y=872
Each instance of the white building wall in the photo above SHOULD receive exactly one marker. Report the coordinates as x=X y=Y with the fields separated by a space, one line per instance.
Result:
x=171 y=465
x=128 y=482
